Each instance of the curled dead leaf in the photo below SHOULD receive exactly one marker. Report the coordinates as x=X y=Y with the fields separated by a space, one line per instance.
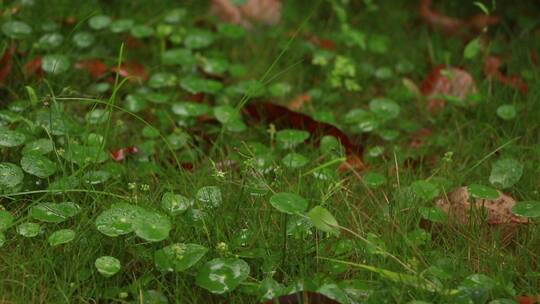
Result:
x=299 y=101
x=133 y=71
x=33 y=67
x=253 y=11
x=451 y=25
x=6 y=62
x=446 y=81
x=95 y=67
x=120 y=154
x=492 y=71
x=460 y=206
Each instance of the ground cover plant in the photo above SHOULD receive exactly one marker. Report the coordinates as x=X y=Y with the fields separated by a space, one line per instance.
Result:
x=325 y=151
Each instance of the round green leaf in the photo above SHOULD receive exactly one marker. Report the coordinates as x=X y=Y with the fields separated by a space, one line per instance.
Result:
x=60 y=237
x=196 y=85
x=107 y=266
x=290 y=138
x=226 y=113
x=134 y=103
x=142 y=31
x=425 y=190
x=6 y=219
x=505 y=173
x=210 y=196
x=118 y=219
x=38 y=146
x=152 y=226
x=162 y=80
x=50 y=41
x=289 y=203
x=10 y=138
x=198 y=39
x=178 y=56
x=175 y=203
x=99 y=22
x=83 y=39
x=178 y=257
x=384 y=108
x=373 y=180
x=54 y=212
x=16 y=29
x=38 y=165
x=82 y=155
x=96 y=177
x=222 y=275
x=294 y=160
x=121 y=25
x=11 y=175
x=189 y=109
x=527 y=209
x=507 y=112
x=55 y=64
x=433 y=214
x=482 y=192
x=323 y=220
x=29 y=230
x=231 y=31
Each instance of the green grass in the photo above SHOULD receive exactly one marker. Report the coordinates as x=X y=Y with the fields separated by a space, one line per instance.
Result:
x=380 y=227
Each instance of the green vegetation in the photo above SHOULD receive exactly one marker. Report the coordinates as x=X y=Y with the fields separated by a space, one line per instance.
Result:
x=133 y=169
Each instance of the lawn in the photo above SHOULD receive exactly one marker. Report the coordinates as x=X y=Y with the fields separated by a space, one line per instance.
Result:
x=351 y=152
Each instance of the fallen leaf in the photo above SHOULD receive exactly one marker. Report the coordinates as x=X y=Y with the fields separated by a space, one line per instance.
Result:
x=95 y=67
x=451 y=25
x=6 y=62
x=253 y=11
x=448 y=81
x=302 y=297
x=459 y=204
x=120 y=154
x=33 y=67
x=280 y=115
x=134 y=71
x=298 y=102
x=528 y=299
x=492 y=70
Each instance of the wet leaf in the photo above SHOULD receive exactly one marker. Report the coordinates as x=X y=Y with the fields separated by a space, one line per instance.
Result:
x=178 y=257
x=38 y=165
x=107 y=266
x=11 y=175
x=210 y=196
x=6 y=219
x=482 y=192
x=222 y=275
x=527 y=209
x=60 y=237
x=55 y=64
x=175 y=203
x=9 y=139
x=99 y=22
x=505 y=173
x=29 y=230
x=323 y=220
x=16 y=29
x=289 y=203
x=54 y=212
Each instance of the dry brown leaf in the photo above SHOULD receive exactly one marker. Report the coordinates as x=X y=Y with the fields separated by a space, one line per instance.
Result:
x=450 y=81
x=460 y=207
x=253 y=11
x=451 y=25
x=492 y=71
x=298 y=102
